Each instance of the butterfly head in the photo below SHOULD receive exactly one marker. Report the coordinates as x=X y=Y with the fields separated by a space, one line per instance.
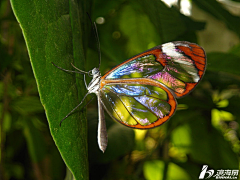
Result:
x=95 y=72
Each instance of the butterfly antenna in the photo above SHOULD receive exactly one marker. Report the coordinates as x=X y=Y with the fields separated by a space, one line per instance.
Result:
x=79 y=71
x=84 y=72
x=98 y=44
x=94 y=27
x=73 y=110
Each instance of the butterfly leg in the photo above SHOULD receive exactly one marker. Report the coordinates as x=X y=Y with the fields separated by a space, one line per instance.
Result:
x=74 y=109
x=84 y=76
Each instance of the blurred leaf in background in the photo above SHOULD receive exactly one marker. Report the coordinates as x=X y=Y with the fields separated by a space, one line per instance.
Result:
x=204 y=130
x=27 y=149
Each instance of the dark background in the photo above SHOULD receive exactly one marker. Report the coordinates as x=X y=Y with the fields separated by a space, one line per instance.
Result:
x=203 y=131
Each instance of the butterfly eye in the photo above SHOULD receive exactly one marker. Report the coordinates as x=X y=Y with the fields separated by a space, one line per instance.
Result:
x=90 y=73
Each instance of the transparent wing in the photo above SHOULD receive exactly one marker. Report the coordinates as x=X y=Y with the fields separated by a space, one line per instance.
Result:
x=138 y=105
x=178 y=65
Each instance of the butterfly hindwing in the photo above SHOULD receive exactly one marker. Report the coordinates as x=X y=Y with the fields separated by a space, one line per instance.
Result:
x=138 y=105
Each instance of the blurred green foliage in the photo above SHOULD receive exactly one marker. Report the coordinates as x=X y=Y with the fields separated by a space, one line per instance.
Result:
x=204 y=131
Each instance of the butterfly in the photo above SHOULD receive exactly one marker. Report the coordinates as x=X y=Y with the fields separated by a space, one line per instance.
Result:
x=141 y=92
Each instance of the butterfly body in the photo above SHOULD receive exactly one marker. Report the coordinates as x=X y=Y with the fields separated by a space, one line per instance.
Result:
x=93 y=86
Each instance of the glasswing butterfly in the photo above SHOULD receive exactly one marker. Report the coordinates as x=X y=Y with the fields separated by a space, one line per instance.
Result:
x=141 y=92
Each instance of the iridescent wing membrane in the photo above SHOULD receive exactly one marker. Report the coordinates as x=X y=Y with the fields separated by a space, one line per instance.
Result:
x=140 y=92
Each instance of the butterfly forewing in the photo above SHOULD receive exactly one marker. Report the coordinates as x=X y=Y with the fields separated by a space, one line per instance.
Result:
x=177 y=65
x=184 y=64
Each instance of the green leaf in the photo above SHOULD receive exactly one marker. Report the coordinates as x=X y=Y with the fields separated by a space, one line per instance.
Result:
x=223 y=62
x=235 y=50
x=27 y=105
x=212 y=148
x=35 y=141
x=137 y=24
x=167 y=21
x=181 y=138
x=155 y=169
x=53 y=31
